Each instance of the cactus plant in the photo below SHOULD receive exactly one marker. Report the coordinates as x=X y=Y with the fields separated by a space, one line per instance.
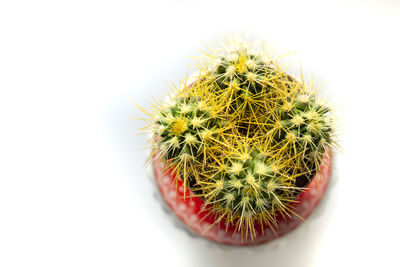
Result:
x=245 y=137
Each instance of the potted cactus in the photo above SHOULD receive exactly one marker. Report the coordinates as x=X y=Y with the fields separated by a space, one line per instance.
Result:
x=241 y=151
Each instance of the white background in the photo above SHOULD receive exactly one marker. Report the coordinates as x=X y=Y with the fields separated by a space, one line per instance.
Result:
x=73 y=189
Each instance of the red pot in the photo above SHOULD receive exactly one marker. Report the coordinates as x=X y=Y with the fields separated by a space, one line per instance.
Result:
x=188 y=208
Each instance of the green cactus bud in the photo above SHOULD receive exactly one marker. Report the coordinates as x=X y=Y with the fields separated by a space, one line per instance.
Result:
x=182 y=131
x=249 y=185
x=241 y=74
x=306 y=131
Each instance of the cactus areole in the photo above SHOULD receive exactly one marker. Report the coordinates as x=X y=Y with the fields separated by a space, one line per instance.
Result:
x=241 y=151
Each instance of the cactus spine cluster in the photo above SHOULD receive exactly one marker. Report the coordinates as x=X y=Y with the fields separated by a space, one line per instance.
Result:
x=241 y=135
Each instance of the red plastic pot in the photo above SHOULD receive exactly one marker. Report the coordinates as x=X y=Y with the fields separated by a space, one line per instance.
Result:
x=188 y=208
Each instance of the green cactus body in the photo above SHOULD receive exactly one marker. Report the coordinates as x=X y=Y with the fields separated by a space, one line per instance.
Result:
x=241 y=76
x=304 y=131
x=250 y=187
x=183 y=130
